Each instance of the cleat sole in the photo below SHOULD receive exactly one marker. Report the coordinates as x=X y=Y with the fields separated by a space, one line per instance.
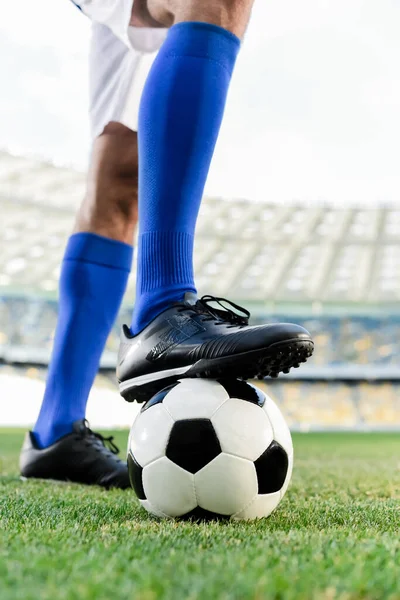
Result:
x=265 y=362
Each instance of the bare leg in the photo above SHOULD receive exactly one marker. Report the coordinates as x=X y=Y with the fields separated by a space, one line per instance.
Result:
x=110 y=204
x=232 y=15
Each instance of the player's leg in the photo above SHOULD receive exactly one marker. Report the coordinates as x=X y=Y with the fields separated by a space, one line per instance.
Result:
x=181 y=111
x=93 y=278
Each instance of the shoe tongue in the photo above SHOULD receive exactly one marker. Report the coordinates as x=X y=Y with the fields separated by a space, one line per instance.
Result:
x=190 y=298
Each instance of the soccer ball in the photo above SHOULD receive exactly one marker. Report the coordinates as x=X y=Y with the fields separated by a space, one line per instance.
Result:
x=209 y=449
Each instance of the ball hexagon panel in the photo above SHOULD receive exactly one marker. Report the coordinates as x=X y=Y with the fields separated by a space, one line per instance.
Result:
x=168 y=488
x=135 y=477
x=272 y=468
x=288 y=476
x=260 y=507
x=226 y=485
x=279 y=425
x=195 y=399
x=193 y=444
x=243 y=429
x=149 y=435
x=236 y=388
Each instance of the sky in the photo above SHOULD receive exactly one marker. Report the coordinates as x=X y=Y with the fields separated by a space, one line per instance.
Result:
x=312 y=115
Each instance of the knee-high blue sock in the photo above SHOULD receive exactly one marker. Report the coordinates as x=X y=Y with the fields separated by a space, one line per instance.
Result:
x=179 y=120
x=93 y=279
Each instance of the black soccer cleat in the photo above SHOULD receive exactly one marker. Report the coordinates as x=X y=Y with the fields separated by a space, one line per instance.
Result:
x=80 y=457
x=194 y=339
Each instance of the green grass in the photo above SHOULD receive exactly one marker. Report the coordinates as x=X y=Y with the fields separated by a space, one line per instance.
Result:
x=335 y=535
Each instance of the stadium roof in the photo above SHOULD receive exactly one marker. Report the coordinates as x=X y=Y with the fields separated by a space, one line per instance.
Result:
x=245 y=251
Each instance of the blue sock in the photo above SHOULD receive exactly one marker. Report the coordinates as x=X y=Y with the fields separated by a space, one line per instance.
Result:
x=179 y=120
x=93 y=279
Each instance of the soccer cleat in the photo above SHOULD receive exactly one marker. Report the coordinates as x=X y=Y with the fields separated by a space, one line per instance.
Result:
x=194 y=339
x=80 y=457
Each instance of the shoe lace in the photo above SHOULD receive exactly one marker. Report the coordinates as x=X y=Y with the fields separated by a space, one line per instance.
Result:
x=223 y=315
x=104 y=443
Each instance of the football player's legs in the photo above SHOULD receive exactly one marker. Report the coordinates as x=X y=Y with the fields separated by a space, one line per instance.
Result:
x=93 y=278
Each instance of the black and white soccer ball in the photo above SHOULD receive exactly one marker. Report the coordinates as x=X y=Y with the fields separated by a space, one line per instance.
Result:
x=205 y=448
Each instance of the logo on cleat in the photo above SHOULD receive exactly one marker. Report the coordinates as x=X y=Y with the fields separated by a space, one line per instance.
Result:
x=181 y=329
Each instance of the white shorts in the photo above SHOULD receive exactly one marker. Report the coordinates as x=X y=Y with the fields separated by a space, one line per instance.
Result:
x=119 y=62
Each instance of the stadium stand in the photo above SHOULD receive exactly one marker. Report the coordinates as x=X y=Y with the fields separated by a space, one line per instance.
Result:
x=261 y=253
x=334 y=269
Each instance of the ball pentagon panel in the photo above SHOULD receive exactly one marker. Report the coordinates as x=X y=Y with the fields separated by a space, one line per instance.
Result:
x=193 y=443
x=272 y=469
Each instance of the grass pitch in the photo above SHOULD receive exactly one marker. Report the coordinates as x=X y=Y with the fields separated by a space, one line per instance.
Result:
x=335 y=535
